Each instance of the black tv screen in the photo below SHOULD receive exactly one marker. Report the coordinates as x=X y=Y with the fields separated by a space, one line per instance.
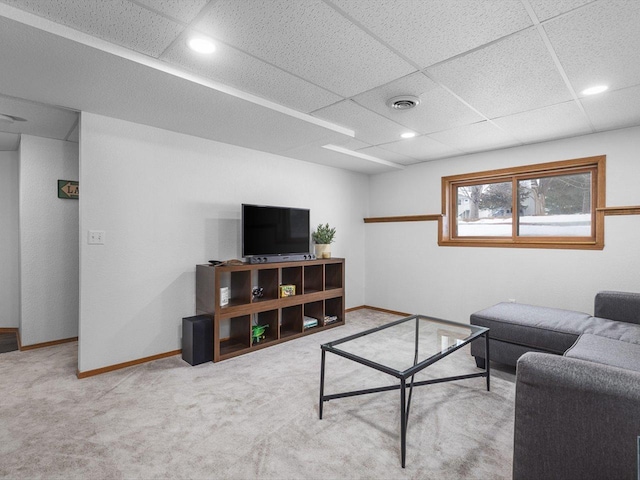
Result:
x=268 y=230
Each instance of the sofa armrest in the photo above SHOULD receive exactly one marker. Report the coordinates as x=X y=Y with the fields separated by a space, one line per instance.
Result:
x=575 y=419
x=621 y=306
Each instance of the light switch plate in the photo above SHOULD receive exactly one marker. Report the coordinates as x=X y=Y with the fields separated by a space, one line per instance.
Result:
x=96 y=237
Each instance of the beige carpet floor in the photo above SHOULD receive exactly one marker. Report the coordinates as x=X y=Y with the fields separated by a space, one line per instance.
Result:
x=251 y=417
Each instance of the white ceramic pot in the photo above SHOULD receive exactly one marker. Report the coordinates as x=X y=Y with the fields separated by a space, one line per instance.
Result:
x=323 y=250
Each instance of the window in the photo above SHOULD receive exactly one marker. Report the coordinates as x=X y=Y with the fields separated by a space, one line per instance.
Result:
x=551 y=205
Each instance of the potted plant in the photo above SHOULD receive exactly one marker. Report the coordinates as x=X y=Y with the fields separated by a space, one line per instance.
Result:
x=323 y=237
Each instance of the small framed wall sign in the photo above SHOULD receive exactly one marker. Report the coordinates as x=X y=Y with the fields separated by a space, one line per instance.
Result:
x=68 y=189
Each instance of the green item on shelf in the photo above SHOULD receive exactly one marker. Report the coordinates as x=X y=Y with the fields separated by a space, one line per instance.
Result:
x=257 y=332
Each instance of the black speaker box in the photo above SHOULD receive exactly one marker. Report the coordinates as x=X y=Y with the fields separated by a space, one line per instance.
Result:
x=197 y=339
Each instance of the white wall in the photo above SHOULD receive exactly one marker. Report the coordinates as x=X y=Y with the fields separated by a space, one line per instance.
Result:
x=406 y=270
x=169 y=201
x=9 y=241
x=48 y=241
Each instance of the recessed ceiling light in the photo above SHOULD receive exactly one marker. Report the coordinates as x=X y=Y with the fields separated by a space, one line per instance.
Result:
x=202 y=45
x=408 y=135
x=594 y=90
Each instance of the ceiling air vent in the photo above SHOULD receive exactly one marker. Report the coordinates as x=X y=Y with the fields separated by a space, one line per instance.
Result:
x=403 y=102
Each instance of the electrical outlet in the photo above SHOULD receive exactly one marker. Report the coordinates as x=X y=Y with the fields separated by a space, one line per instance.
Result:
x=96 y=237
x=512 y=300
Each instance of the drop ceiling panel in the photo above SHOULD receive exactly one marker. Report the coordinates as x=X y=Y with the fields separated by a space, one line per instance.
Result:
x=233 y=67
x=513 y=75
x=9 y=142
x=41 y=120
x=308 y=39
x=545 y=9
x=617 y=109
x=67 y=73
x=475 y=138
x=183 y=10
x=595 y=44
x=431 y=31
x=555 y=121
x=369 y=126
x=117 y=21
x=438 y=109
x=422 y=148
x=313 y=55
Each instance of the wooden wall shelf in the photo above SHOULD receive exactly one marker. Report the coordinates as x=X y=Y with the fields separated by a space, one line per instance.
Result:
x=629 y=210
x=405 y=218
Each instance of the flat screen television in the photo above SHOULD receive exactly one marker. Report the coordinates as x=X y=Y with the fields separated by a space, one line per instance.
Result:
x=272 y=231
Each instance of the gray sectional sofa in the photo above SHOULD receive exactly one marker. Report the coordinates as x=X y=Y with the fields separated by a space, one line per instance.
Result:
x=516 y=329
x=577 y=412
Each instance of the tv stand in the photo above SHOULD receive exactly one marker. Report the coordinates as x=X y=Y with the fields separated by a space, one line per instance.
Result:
x=319 y=295
x=281 y=258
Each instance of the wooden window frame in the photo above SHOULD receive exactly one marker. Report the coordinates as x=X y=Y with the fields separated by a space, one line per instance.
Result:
x=447 y=235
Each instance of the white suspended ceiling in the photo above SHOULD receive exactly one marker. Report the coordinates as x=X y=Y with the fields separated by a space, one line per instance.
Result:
x=292 y=76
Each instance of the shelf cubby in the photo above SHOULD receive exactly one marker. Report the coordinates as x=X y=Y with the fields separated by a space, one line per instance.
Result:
x=313 y=278
x=239 y=335
x=269 y=318
x=267 y=279
x=292 y=276
x=333 y=276
x=290 y=321
x=334 y=307
x=314 y=310
x=239 y=285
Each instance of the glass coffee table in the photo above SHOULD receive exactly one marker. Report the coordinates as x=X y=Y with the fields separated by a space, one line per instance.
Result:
x=403 y=348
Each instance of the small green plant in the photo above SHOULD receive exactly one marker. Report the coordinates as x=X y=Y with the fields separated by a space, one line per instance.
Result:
x=323 y=234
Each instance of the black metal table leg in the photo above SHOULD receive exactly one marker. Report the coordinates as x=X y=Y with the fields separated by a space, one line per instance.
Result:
x=321 y=386
x=487 y=359
x=403 y=421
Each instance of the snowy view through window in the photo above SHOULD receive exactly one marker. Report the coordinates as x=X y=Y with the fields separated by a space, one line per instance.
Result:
x=549 y=206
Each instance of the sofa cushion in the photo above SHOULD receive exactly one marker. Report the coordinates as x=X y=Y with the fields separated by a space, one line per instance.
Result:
x=549 y=329
x=626 y=332
x=608 y=351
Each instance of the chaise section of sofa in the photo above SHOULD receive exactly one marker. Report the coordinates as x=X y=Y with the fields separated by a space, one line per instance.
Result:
x=517 y=328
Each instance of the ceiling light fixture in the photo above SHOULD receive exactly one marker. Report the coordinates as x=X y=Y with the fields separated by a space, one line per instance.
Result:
x=408 y=135
x=594 y=90
x=403 y=102
x=363 y=156
x=202 y=45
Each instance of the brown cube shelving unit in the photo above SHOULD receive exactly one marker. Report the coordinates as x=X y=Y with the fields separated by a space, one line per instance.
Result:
x=319 y=293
